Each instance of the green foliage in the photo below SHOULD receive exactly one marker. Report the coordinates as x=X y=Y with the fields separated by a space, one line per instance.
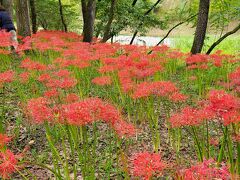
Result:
x=48 y=16
x=126 y=16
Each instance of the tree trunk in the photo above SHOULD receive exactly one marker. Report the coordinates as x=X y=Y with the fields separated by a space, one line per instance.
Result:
x=8 y=4
x=23 y=18
x=62 y=16
x=134 y=2
x=110 y=20
x=201 y=26
x=33 y=16
x=222 y=38
x=88 y=11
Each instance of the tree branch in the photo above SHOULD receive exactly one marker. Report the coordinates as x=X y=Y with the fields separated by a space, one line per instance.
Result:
x=222 y=38
x=145 y=14
x=190 y=18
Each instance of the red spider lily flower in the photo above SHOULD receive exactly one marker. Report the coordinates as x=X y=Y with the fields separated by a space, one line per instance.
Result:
x=6 y=77
x=147 y=164
x=197 y=59
x=236 y=138
x=44 y=78
x=8 y=164
x=94 y=109
x=32 y=65
x=235 y=79
x=190 y=117
x=71 y=98
x=208 y=169
x=226 y=106
x=230 y=117
x=5 y=39
x=213 y=141
x=221 y=102
x=68 y=82
x=39 y=110
x=24 y=77
x=160 y=88
x=51 y=93
x=123 y=128
x=178 y=97
x=102 y=81
x=4 y=139
x=62 y=73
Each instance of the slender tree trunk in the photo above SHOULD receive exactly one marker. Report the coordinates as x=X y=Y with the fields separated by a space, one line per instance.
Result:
x=145 y=14
x=110 y=20
x=62 y=16
x=88 y=11
x=222 y=38
x=33 y=16
x=8 y=4
x=23 y=18
x=201 y=26
x=134 y=2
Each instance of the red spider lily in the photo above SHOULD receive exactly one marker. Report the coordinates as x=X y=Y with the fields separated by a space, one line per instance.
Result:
x=4 y=139
x=6 y=77
x=8 y=163
x=123 y=128
x=31 y=65
x=221 y=102
x=147 y=164
x=213 y=141
x=44 y=77
x=190 y=117
x=236 y=138
x=5 y=39
x=39 y=110
x=94 y=109
x=197 y=59
x=225 y=106
x=62 y=73
x=51 y=93
x=102 y=81
x=24 y=77
x=178 y=97
x=71 y=98
x=208 y=169
x=160 y=88
x=235 y=79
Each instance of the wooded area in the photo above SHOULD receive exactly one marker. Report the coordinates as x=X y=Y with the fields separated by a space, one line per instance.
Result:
x=109 y=18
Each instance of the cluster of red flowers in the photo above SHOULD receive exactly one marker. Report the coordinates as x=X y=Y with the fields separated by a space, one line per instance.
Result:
x=202 y=61
x=102 y=81
x=159 y=88
x=5 y=39
x=79 y=113
x=219 y=105
x=190 y=117
x=208 y=169
x=6 y=77
x=146 y=165
x=8 y=160
x=235 y=80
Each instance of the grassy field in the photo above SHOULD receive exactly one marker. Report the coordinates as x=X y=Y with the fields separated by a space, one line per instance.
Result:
x=230 y=45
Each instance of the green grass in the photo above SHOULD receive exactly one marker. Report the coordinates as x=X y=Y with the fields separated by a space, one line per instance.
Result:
x=231 y=45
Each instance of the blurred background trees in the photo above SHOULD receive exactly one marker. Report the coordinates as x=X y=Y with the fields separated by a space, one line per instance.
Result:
x=108 y=18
